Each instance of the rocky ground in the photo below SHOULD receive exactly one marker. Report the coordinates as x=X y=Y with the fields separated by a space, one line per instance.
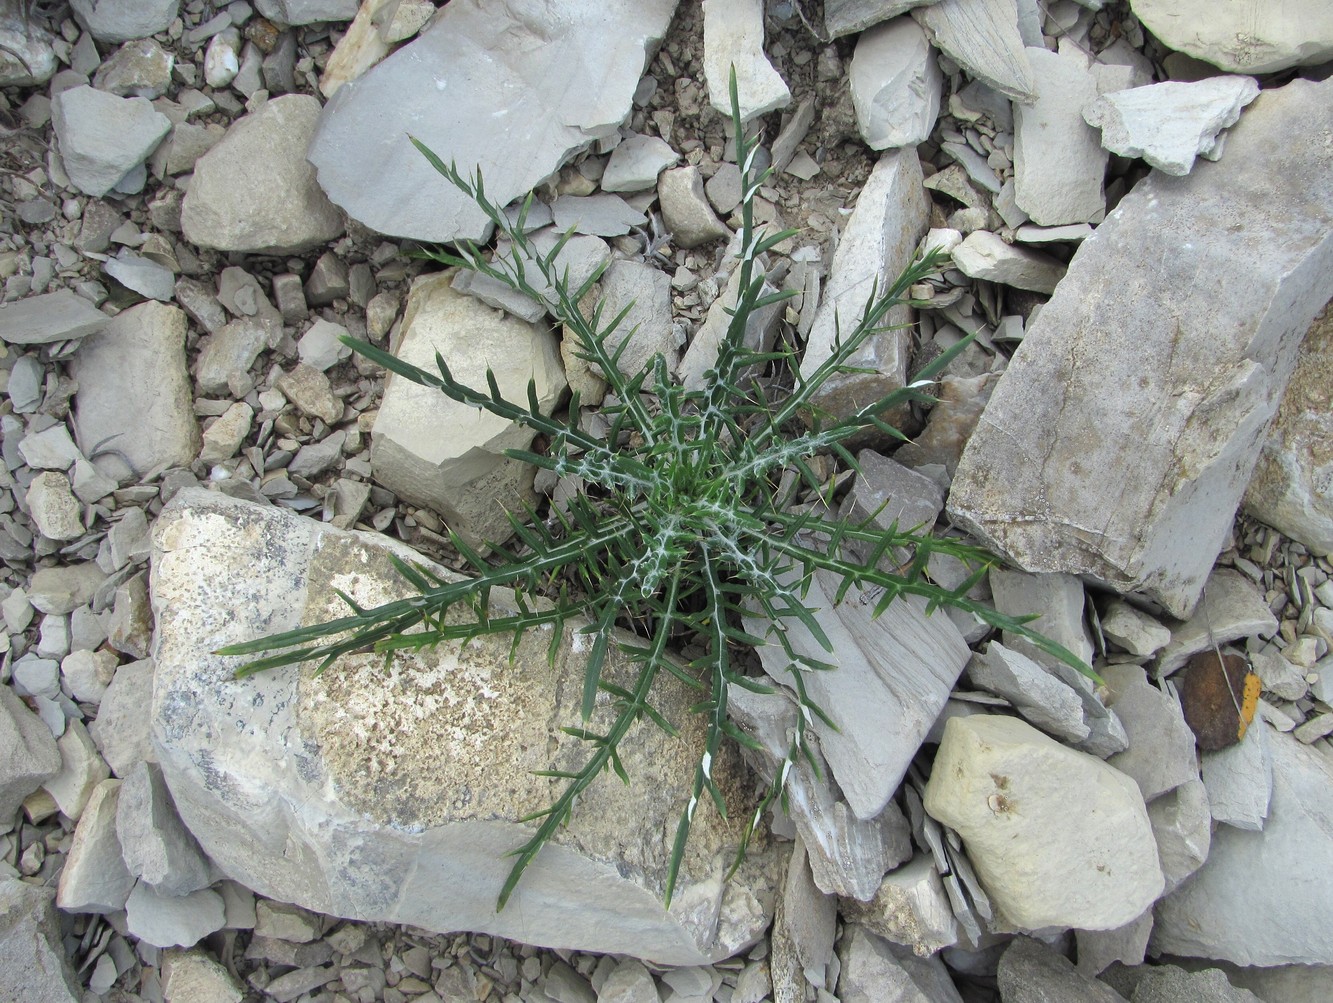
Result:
x=199 y=198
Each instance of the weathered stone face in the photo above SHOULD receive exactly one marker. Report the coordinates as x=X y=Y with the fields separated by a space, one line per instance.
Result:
x=391 y=792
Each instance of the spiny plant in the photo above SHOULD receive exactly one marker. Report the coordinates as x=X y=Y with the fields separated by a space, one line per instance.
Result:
x=687 y=530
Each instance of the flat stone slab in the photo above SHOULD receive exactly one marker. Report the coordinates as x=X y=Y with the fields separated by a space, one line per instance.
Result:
x=514 y=88
x=392 y=794
x=1243 y=37
x=51 y=317
x=1120 y=439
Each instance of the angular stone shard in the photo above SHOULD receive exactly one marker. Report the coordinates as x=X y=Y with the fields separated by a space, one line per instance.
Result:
x=983 y=255
x=734 y=39
x=1292 y=486
x=1161 y=754
x=1030 y=971
x=464 y=476
x=34 y=967
x=1057 y=837
x=513 y=88
x=1242 y=37
x=1256 y=902
x=95 y=878
x=896 y=84
x=30 y=756
x=982 y=36
x=1171 y=123
x=254 y=190
x=103 y=138
x=391 y=794
x=890 y=217
x=894 y=674
x=846 y=17
x=124 y=20
x=58 y=316
x=910 y=908
x=1196 y=325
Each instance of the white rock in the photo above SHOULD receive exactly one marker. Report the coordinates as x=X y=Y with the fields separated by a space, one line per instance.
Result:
x=1169 y=124
x=685 y=208
x=50 y=449
x=1231 y=608
x=982 y=36
x=196 y=977
x=1070 y=232
x=54 y=510
x=890 y=218
x=910 y=908
x=222 y=58
x=31 y=757
x=311 y=790
x=142 y=348
x=121 y=728
x=1098 y=949
x=158 y=850
x=983 y=255
x=1240 y=39
x=1037 y=695
x=171 y=920
x=1056 y=600
x=1057 y=837
x=1253 y=902
x=321 y=346
x=1161 y=753
x=142 y=275
x=1134 y=630
x=1239 y=780
x=224 y=437
x=464 y=476
x=124 y=20
x=51 y=317
x=362 y=45
x=1174 y=449
x=896 y=84
x=629 y=982
x=86 y=674
x=103 y=138
x=887 y=493
x=225 y=356
x=636 y=162
x=647 y=326
x=1058 y=162
x=33 y=962
x=81 y=770
x=734 y=38
x=1289 y=488
x=567 y=72
x=254 y=191
x=95 y=878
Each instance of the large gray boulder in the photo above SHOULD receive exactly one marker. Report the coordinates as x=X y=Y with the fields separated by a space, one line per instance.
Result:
x=1120 y=439
x=392 y=792
x=1241 y=37
x=254 y=190
x=514 y=88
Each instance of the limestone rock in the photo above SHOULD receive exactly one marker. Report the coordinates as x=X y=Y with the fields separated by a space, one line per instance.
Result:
x=647 y=326
x=734 y=39
x=27 y=57
x=156 y=846
x=95 y=878
x=1057 y=837
x=513 y=88
x=910 y=908
x=685 y=209
x=390 y=794
x=1232 y=608
x=1253 y=902
x=103 y=137
x=1132 y=629
x=34 y=967
x=254 y=190
x=172 y=920
x=982 y=36
x=1036 y=694
x=636 y=162
x=890 y=218
x=1175 y=444
x=1097 y=950
x=121 y=728
x=1058 y=162
x=81 y=770
x=307 y=11
x=30 y=757
x=1031 y=972
x=1161 y=753
x=1056 y=600
x=463 y=476
x=602 y=215
x=1170 y=123
x=888 y=493
x=846 y=17
x=136 y=432
x=54 y=510
x=50 y=317
x=1290 y=489
x=873 y=972
x=124 y=20
x=761 y=331
x=1169 y=984
x=141 y=68
x=195 y=976
x=811 y=917
x=362 y=46
x=1242 y=39
x=983 y=255
x=1239 y=780
x=896 y=84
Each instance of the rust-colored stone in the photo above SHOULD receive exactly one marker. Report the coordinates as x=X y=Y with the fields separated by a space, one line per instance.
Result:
x=1218 y=696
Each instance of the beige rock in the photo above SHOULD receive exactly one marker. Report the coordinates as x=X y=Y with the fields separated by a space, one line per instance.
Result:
x=54 y=509
x=360 y=48
x=1243 y=37
x=734 y=40
x=435 y=452
x=95 y=878
x=392 y=793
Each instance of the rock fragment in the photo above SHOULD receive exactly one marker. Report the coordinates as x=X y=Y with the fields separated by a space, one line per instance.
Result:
x=1058 y=162
x=103 y=138
x=30 y=754
x=1031 y=971
x=124 y=431
x=1194 y=405
x=1231 y=609
x=1182 y=824
x=173 y=920
x=33 y=963
x=910 y=908
x=734 y=40
x=685 y=209
x=295 y=12
x=54 y=509
x=896 y=84
x=982 y=36
x=95 y=878
x=442 y=87
x=1233 y=40
x=1057 y=837
x=602 y=215
x=119 y=21
x=1170 y=123
x=254 y=190
x=636 y=162
x=872 y=971
x=983 y=255
x=48 y=318
x=1161 y=754
x=157 y=848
